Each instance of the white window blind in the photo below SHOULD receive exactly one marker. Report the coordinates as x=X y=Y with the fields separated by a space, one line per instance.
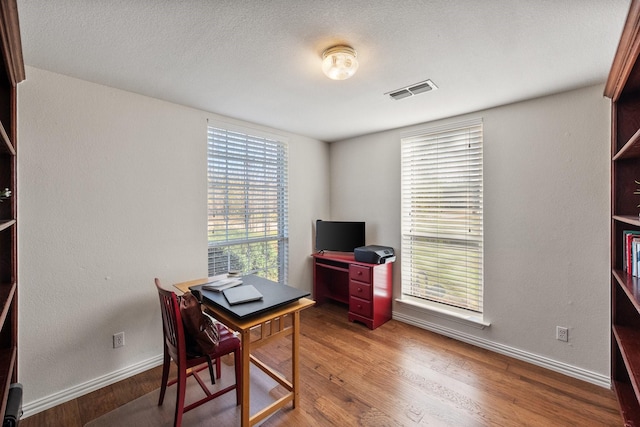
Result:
x=442 y=237
x=247 y=203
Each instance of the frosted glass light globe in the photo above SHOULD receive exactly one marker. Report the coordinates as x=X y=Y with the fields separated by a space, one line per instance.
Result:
x=339 y=62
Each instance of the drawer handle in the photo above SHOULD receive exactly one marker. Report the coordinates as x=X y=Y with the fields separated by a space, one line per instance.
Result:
x=359 y=273
x=359 y=306
x=359 y=289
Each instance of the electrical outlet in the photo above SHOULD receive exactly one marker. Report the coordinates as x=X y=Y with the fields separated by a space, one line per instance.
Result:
x=562 y=333
x=118 y=340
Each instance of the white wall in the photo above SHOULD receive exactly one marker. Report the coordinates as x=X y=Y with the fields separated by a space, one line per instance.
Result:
x=546 y=223
x=112 y=193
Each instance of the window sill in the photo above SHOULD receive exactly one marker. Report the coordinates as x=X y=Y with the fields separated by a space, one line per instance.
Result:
x=450 y=313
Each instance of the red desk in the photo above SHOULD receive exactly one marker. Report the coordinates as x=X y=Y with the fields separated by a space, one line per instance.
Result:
x=366 y=288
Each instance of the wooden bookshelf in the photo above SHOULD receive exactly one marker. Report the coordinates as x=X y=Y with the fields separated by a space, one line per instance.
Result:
x=623 y=87
x=11 y=73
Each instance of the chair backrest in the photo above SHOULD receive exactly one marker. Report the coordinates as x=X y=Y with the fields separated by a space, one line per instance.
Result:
x=174 y=339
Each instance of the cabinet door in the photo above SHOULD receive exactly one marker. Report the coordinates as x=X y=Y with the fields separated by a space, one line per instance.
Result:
x=360 y=289
x=360 y=273
x=360 y=307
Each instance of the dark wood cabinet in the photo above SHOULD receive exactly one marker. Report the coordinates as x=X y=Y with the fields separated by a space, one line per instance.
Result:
x=366 y=288
x=11 y=73
x=623 y=87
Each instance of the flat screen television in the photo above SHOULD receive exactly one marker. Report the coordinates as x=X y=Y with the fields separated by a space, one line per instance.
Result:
x=339 y=236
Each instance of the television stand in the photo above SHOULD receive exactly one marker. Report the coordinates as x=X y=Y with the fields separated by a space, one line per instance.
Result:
x=366 y=288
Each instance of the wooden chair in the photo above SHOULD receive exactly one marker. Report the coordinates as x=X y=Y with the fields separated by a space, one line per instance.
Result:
x=188 y=364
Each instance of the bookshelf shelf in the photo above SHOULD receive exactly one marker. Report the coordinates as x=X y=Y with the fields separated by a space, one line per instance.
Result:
x=6 y=223
x=7 y=292
x=631 y=149
x=7 y=366
x=627 y=398
x=6 y=146
x=628 y=341
x=630 y=285
x=628 y=219
x=623 y=87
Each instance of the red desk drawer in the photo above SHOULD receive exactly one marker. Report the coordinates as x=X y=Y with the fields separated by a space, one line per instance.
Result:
x=360 y=273
x=360 y=306
x=360 y=290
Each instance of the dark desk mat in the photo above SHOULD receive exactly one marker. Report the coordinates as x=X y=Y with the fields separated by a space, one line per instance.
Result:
x=273 y=295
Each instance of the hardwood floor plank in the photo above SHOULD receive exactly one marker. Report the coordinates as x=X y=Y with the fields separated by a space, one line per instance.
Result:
x=139 y=385
x=98 y=403
x=66 y=414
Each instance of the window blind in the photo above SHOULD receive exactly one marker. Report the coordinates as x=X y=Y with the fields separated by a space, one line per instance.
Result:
x=247 y=204
x=442 y=232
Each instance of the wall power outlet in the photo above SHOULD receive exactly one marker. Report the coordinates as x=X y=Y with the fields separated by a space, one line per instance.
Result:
x=118 y=340
x=562 y=333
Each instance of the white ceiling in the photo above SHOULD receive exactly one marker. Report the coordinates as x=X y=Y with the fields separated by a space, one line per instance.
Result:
x=259 y=60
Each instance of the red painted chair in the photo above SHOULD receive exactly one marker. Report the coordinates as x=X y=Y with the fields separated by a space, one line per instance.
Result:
x=175 y=348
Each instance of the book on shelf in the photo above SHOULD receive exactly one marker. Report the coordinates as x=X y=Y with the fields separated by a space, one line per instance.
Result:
x=636 y=255
x=628 y=236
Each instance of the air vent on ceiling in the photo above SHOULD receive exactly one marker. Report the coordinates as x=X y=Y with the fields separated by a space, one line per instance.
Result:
x=412 y=90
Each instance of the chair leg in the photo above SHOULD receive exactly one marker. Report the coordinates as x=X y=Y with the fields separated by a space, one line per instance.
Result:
x=180 y=392
x=238 y=368
x=218 y=368
x=210 y=362
x=165 y=376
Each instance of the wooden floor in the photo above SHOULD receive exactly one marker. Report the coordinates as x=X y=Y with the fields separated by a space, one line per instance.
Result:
x=397 y=375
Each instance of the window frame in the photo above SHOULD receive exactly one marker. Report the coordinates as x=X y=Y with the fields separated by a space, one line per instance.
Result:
x=268 y=175
x=411 y=177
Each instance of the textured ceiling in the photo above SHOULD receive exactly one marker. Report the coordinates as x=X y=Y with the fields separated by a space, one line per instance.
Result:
x=260 y=60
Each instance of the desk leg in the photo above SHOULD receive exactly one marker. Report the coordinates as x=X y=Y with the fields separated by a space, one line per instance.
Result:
x=246 y=361
x=295 y=356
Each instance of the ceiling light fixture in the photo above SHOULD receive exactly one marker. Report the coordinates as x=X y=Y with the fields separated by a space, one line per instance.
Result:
x=339 y=62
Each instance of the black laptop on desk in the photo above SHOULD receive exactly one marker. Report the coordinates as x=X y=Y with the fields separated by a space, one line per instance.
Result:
x=273 y=295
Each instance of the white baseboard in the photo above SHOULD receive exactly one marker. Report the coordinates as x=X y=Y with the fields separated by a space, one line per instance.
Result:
x=36 y=406
x=544 y=362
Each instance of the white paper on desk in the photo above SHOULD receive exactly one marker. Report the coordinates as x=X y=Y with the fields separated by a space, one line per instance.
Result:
x=222 y=284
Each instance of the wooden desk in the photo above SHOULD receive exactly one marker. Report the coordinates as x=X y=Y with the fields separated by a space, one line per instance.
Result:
x=366 y=288
x=272 y=325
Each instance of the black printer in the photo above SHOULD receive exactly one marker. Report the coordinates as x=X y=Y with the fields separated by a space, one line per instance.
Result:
x=374 y=254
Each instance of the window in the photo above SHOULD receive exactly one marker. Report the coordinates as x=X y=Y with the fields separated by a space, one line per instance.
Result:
x=442 y=239
x=247 y=203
